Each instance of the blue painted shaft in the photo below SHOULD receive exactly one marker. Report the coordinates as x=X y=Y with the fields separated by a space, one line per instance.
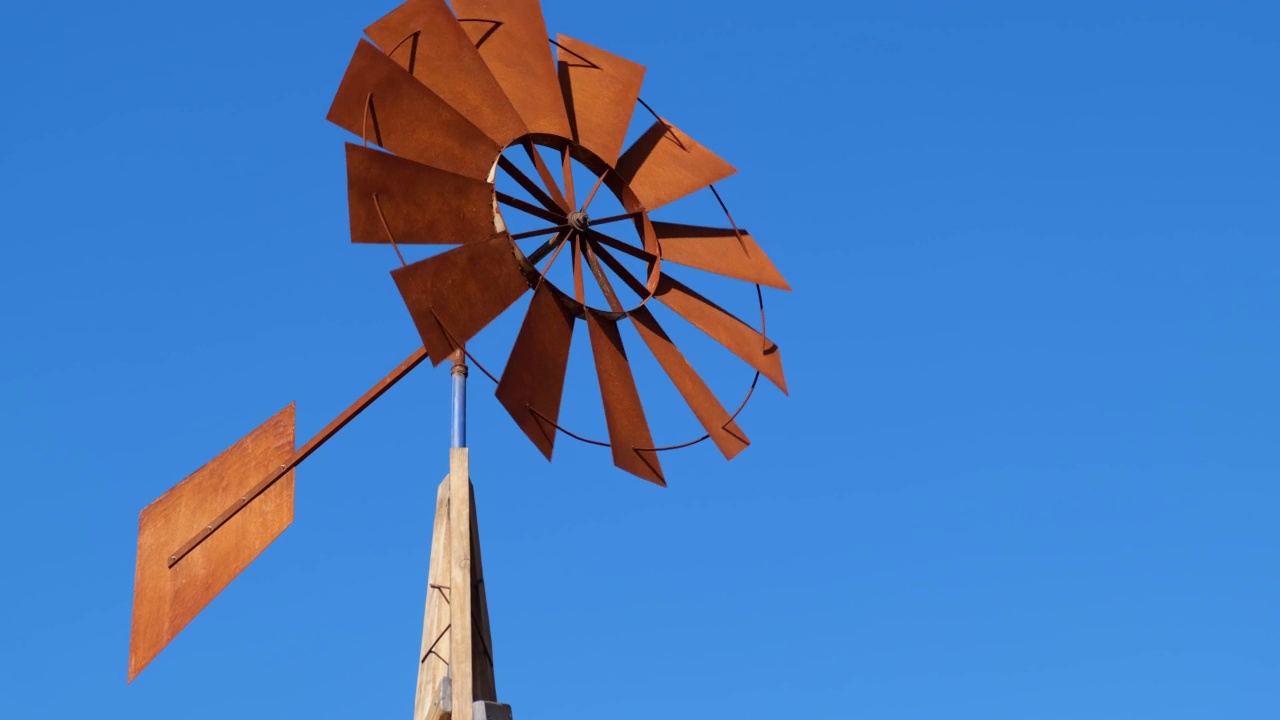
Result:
x=459 y=424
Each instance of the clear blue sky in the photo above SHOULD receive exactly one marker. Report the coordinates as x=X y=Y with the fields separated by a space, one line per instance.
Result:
x=1028 y=467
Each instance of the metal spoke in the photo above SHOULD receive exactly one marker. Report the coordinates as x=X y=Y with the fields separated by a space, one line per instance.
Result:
x=554 y=243
x=536 y=158
x=579 y=292
x=528 y=184
x=554 y=256
x=622 y=272
x=594 y=190
x=566 y=161
x=609 y=295
x=536 y=233
x=530 y=208
x=622 y=247
x=617 y=218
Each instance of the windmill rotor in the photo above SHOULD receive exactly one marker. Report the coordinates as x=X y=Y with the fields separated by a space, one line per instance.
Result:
x=453 y=100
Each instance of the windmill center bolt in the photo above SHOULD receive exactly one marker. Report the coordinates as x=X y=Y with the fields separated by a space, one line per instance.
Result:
x=579 y=221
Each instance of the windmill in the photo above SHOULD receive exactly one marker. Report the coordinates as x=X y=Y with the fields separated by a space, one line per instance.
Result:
x=442 y=103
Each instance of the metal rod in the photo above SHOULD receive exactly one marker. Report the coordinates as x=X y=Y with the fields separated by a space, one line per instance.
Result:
x=546 y=248
x=459 y=424
x=303 y=453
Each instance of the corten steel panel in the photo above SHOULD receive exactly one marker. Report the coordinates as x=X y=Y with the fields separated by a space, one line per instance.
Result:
x=724 y=432
x=512 y=38
x=601 y=90
x=419 y=204
x=624 y=415
x=423 y=37
x=453 y=295
x=665 y=165
x=381 y=102
x=738 y=337
x=532 y=384
x=718 y=251
x=164 y=599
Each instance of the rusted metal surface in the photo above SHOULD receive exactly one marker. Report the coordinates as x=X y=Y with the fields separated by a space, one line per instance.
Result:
x=423 y=37
x=239 y=504
x=551 y=216
x=547 y=180
x=602 y=278
x=531 y=187
x=395 y=199
x=738 y=337
x=166 y=599
x=382 y=103
x=728 y=252
x=665 y=165
x=533 y=383
x=461 y=92
x=187 y=554
x=566 y=172
x=623 y=413
x=453 y=295
x=724 y=432
x=600 y=92
x=445 y=95
x=579 y=287
x=512 y=38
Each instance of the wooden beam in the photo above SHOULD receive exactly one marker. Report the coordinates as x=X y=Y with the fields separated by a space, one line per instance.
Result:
x=433 y=665
x=456 y=609
x=483 y=684
x=460 y=650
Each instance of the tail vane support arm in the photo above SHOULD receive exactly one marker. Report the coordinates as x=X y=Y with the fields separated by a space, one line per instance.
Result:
x=303 y=453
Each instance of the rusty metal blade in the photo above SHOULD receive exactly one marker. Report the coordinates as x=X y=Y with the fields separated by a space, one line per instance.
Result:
x=724 y=432
x=423 y=37
x=624 y=415
x=453 y=295
x=166 y=599
x=718 y=251
x=601 y=90
x=665 y=165
x=512 y=38
x=397 y=200
x=532 y=384
x=738 y=337
x=381 y=102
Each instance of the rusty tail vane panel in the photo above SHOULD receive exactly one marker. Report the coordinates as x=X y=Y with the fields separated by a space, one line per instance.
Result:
x=196 y=538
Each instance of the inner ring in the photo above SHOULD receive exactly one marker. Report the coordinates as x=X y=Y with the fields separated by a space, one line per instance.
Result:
x=575 y=236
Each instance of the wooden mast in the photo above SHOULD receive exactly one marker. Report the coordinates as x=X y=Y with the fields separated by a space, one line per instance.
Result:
x=455 y=668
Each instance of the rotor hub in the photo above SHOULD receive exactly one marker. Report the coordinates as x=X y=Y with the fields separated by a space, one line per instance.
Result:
x=579 y=221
